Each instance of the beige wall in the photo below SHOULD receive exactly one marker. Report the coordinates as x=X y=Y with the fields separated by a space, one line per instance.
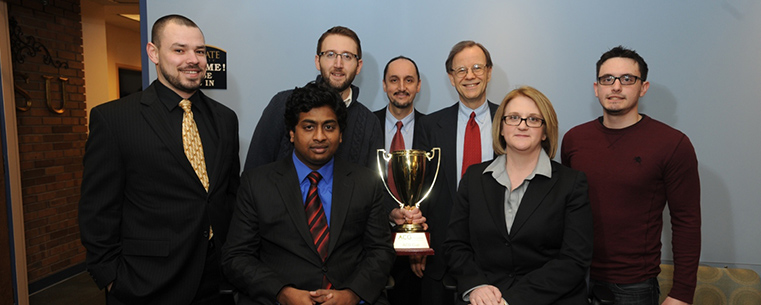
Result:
x=124 y=50
x=106 y=48
x=96 y=62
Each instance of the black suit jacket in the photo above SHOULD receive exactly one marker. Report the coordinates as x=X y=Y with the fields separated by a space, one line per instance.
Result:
x=144 y=215
x=439 y=129
x=545 y=257
x=382 y=117
x=270 y=246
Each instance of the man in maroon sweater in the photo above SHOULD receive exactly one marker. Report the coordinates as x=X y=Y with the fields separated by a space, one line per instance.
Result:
x=635 y=166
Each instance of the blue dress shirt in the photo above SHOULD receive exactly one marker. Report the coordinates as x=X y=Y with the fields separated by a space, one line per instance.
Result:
x=324 y=186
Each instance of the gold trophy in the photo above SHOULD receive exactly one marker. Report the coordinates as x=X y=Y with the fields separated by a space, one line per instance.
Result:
x=408 y=168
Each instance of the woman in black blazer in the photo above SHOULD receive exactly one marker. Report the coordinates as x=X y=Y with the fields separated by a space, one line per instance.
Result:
x=521 y=229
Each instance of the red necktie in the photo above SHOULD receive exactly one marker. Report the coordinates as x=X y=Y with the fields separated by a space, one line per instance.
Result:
x=472 y=147
x=397 y=143
x=318 y=223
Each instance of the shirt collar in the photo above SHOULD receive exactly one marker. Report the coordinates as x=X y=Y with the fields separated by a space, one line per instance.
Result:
x=497 y=167
x=348 y=100
x=406 y=121
x=482 y=112
x=171 y=99
x=302 y=171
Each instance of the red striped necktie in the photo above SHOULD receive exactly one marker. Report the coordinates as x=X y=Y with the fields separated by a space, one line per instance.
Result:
x=317 y=221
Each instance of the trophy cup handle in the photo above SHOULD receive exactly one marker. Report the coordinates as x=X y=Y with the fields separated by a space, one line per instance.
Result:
x=436 y=151
x=382 y=154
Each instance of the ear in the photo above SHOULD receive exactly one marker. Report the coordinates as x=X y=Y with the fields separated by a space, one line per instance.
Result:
x=291 y=134
x=643 y=89
x=451 y=79
x=595 y=86
x=153 y=52
x=384 y=86
x=487 y=77
x=340 y=137
x=417 y=90
x=359 y=66
x=317 y=62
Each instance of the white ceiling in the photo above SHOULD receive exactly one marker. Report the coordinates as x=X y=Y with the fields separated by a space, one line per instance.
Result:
x=112 y=9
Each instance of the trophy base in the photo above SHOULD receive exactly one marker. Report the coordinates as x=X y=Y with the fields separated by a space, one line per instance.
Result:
x=412 y=243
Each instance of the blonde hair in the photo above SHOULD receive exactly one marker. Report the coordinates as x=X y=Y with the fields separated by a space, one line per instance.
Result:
x=550 y=143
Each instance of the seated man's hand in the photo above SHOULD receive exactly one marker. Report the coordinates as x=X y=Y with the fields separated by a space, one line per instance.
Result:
x=401 y=216
x=417 y=264
x=292 y=296
x=334 y=297
x=486 y=295
x=673 y=301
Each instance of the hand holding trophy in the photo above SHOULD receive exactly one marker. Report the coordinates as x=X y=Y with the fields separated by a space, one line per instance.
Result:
x=405 y=171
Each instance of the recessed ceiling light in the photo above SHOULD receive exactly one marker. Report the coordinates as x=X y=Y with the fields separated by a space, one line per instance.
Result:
x=135 y=17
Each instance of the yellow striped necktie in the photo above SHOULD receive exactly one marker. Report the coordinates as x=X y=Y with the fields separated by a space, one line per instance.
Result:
x=191 y=142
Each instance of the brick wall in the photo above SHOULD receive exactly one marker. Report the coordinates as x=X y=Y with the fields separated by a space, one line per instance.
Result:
x=51 y=145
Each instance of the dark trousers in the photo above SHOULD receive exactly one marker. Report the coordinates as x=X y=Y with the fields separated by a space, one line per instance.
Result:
x=407 y=286
x=642 y=293
x=434 y=292
x=208 y=290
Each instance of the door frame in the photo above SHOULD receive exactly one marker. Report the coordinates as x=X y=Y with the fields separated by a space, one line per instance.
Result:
x=13 y=171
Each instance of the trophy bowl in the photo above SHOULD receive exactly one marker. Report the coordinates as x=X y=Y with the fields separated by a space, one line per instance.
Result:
x=403 y=173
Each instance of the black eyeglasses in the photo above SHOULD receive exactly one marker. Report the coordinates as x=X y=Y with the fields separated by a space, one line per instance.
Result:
x=515 y=120
x=345 y=56
x=625 y=80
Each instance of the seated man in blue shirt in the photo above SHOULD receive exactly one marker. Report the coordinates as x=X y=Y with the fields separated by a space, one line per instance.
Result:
x=310 y=228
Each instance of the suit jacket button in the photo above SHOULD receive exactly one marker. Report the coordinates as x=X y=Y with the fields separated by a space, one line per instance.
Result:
x=324 y=269
x=206 y=234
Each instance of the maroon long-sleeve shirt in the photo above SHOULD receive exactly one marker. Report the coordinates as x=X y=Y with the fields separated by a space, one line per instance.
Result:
x=633 y=174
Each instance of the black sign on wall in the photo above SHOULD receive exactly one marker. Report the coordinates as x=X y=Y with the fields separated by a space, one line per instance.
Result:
x=216 y=68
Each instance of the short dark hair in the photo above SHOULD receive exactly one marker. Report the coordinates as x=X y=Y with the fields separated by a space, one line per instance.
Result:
x=313 y=95
x=462 y=45
x=620 y=51
x=340 y=30
x=385 y=70
x=160 y=24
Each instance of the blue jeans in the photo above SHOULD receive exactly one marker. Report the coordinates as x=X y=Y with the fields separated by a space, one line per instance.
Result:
x=642 y=293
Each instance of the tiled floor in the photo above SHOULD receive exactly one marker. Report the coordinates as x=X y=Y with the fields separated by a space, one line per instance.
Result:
x=77 y=290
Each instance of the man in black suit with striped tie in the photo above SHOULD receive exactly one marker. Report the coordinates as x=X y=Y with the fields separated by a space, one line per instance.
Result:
x=160 y=175
x=310 y=228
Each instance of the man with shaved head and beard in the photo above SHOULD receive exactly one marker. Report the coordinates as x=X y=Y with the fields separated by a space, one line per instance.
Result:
x=339 y=61
x=159 y=182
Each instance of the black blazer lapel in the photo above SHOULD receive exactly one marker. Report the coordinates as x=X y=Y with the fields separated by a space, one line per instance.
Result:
x=448 y=133
x=156 y=115
x=287 y=183
x=495 y=201
x=415 y=131
x=215 y=168
x=343 y=191
x=537 y=190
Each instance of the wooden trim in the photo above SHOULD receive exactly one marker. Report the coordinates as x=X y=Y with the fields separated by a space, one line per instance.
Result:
x=14 y=171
